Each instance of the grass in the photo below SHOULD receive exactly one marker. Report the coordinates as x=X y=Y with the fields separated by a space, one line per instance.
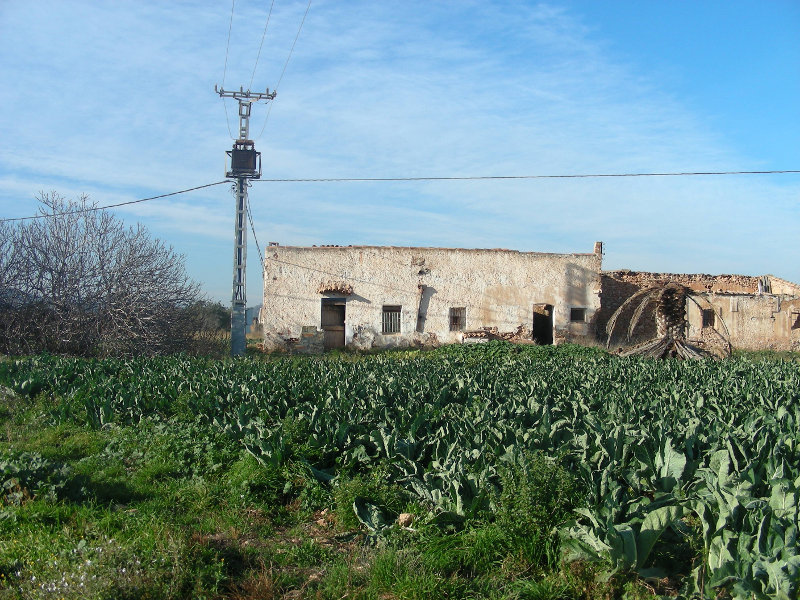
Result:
x=145 y=514
x=170 y=508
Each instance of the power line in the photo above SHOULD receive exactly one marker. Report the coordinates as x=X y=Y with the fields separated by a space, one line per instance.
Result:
x=380 y=179
x=297 y=35
x=263 y=35
x=228 y=44
x=286 y=64
x=95 y=208
x=502 y=177
x=225 y=68
x=255 y=238
x=227 y=119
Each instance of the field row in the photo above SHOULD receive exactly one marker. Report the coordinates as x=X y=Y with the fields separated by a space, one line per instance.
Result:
x=701 y=456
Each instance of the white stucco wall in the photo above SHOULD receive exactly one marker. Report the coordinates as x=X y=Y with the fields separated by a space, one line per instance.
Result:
x=498 y=288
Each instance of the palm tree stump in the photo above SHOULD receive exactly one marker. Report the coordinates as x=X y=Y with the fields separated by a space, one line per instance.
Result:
x=671 y=324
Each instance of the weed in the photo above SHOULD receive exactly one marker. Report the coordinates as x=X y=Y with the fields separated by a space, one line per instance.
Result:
x=470 y=553
x=308 y=553
x=373 y=488
x=548 y=588
x=248 y=481
x=257 y=584
x=537 y=497
x=64 y=442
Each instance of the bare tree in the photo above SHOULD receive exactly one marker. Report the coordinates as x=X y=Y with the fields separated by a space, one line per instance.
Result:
x=78 y=281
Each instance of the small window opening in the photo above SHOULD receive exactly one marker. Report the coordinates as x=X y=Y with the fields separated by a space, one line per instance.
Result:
x=577 y=315
x=796 y=324
x=709 y=318
x=390 y=322
x=458 y=318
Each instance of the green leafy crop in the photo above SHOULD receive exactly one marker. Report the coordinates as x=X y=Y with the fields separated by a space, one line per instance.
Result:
x=620 y=456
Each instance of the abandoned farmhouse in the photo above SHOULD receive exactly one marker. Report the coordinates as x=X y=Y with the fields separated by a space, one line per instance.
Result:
x=363 y=297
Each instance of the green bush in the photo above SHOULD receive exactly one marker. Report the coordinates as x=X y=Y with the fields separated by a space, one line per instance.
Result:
x=537 y=496
x=26 y=475
x=247 y=481
x=375 y=489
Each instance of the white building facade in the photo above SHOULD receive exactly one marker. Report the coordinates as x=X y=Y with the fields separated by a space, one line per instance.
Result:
x=376 y=296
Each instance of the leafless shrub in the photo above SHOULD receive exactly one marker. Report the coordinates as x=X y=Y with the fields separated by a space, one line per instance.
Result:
x=78 y=281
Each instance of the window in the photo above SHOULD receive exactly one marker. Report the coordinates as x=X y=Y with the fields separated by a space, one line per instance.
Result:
x=458 y=318
x=708 y=317
x=390 y=322
x=577 y=315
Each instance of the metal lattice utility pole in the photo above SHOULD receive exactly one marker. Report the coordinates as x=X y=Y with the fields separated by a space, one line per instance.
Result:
x=245 y=164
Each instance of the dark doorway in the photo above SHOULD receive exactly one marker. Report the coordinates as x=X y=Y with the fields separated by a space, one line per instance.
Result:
x=426 y=292
x=543 y=324
x=333 y=322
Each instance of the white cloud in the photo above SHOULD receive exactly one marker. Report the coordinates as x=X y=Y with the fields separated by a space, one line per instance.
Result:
x=117 y=100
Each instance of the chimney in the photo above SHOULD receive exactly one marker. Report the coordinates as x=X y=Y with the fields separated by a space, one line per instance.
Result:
x=598 y=248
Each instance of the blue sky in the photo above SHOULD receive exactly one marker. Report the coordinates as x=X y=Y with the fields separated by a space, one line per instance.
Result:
x=116 y=100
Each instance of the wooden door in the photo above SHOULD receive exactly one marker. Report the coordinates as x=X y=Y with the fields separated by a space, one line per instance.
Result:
x=333 y=322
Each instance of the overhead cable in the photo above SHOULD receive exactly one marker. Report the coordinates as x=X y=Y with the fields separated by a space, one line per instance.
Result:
x=95 y=208
x=286 y=64
x=225 y=68
x=263 y=35
x=253 y=229
x=228 y=43
x=456 y=178
x=495 y=177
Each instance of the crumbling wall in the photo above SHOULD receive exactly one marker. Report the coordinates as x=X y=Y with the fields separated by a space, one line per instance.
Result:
x=615 y=290
x=751 y=322
x=698 y=282
x=782 y=287
x=753 y=312
x=310 y=341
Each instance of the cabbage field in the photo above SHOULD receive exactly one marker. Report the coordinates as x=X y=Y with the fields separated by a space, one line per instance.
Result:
x=683 y=476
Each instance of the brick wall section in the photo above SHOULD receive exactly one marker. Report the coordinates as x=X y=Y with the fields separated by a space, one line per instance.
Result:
x=614 y=290
x=699 y=282
x=311 y=341
x=618 y=286
x=753 y=320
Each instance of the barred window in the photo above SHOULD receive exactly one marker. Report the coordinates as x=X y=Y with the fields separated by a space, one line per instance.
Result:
x=709 y=317
x=390 y=321
x=458 y=318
